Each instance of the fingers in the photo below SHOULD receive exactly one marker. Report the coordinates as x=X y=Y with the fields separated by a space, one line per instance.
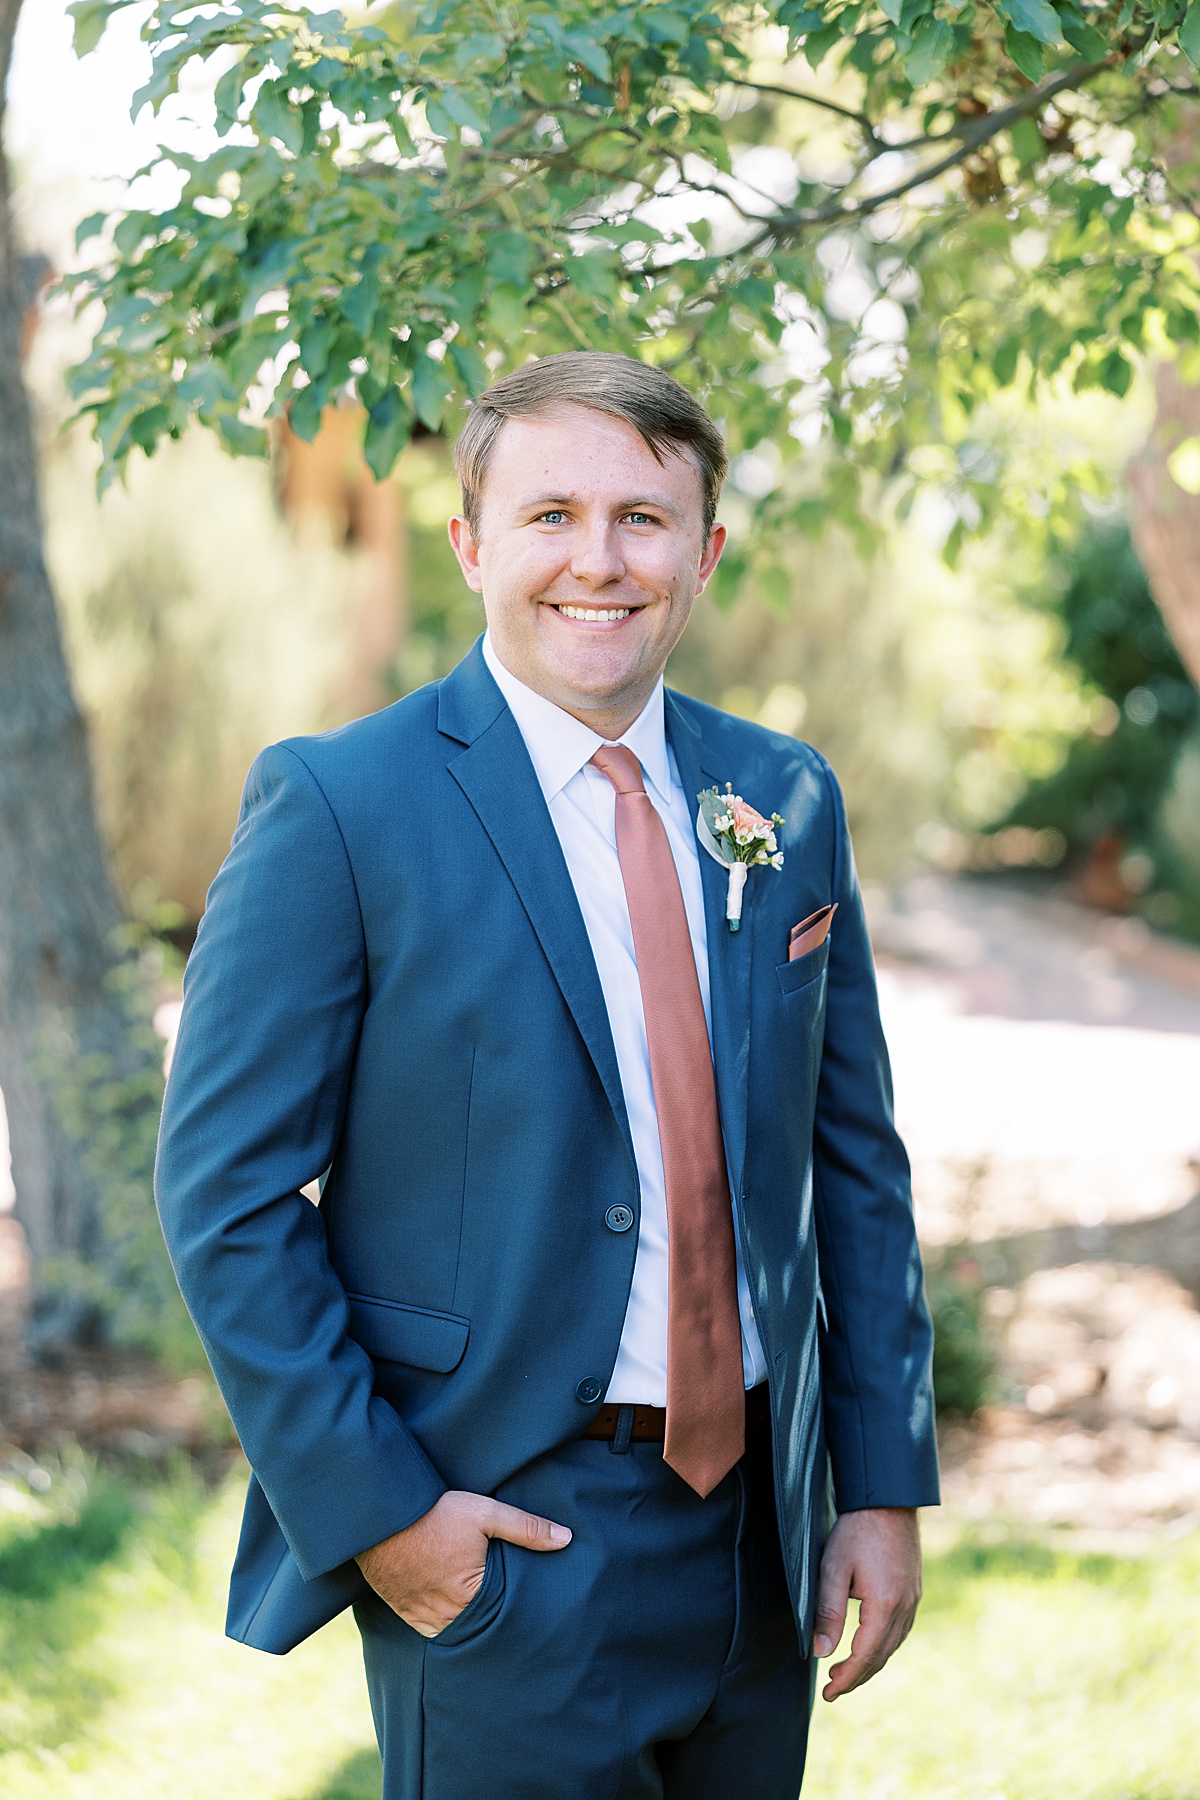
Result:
x=833 y=1597
x=524 y=1529
x=881 y=1631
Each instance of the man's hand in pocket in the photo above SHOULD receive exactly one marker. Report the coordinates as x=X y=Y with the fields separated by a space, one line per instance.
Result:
x=429 y=1572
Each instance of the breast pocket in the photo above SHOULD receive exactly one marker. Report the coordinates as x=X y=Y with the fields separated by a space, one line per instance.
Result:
x=795 y=977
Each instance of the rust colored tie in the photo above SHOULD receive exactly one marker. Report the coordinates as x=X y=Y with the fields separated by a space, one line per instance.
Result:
x=706 y=1399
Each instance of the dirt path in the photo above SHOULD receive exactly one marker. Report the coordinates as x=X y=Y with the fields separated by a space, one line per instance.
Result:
x=1047 y=1069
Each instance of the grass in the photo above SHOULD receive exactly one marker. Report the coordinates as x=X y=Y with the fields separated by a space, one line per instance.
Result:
x=116 y=1682
x=1034 y=1673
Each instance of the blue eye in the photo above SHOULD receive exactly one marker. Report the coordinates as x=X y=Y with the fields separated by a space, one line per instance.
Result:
x=553 y=517
x=639 y=518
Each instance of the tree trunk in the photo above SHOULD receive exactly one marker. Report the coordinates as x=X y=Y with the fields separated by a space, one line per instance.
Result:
x=1166 y=521
x=58 y=907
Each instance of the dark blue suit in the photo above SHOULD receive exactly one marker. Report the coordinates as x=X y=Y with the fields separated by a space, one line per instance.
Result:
x=393 y=982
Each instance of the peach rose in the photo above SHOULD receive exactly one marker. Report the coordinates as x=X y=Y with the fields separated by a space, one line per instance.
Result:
x=745 y=819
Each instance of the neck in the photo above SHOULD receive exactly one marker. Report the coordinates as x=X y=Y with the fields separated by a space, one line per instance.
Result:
x=609 y=721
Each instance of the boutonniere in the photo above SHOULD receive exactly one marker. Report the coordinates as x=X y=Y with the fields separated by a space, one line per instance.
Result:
x=739 y=838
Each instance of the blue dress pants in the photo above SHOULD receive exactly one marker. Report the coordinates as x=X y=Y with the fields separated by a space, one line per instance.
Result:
x=655 y=1658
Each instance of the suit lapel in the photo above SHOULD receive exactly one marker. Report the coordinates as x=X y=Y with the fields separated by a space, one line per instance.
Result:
x=729 y=952
x=497 y=777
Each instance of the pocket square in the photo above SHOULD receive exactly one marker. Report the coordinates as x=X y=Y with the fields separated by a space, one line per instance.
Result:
x=810 y=933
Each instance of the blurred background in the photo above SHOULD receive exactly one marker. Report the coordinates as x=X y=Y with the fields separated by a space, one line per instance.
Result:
x=1019 y=742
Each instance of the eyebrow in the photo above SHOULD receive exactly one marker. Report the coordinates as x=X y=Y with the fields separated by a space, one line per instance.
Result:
x=544 y=502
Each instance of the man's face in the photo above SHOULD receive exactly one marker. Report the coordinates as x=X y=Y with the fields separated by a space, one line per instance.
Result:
x=589 y=556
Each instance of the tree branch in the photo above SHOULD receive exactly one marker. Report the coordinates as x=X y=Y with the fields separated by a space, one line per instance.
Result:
x=973 y=135
x=860 y=119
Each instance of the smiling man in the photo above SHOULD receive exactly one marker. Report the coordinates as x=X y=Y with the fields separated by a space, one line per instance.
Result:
x=613 y=1297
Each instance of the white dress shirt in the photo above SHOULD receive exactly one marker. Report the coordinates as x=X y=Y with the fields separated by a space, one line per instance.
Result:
x=582 y=805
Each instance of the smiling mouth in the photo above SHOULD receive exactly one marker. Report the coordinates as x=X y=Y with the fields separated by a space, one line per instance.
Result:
x=592 y=615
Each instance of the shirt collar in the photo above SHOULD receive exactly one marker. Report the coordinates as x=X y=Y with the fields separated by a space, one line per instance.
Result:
x=559 y=745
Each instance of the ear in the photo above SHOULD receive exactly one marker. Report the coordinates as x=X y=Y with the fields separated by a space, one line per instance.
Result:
x=711 y=556
x=462 y=541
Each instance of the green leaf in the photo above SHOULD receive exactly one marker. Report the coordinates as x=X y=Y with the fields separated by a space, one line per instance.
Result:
x=932 y=43
x=90 y=227
x=1004 y=363
x=506 y=313
x=818 y=44
x=510 y=258
x=1026 y=52
x=1028 y=143
x=389 y=427
x=665 y=26
x=241 y=438
x=275 y=118
x=91 y=16
x=590 y=55
x=130 y=232
x=594 y=275
x=472 y=370
x=304 y=414
x=316 y=341
x=1081 y=36
x=431 y=389
x=1036 y=18
x=1189 y=34
x=437 y=118
x=891 y=10
x=1115 y=374
x=460 y=109
x=361 y=302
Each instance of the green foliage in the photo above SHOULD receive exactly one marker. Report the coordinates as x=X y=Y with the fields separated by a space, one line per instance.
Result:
x=1116 y=774
x=116 y=1682
x=38 y=1563
x=109 y=1101
x=411 y=198
x=359 y=1778
x=964 y=1359
x=199 y=629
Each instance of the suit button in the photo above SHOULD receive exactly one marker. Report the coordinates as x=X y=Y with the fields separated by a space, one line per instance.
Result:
x=589 y=1390
x=619 y=1218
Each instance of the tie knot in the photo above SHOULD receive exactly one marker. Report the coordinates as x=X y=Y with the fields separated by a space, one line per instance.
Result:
x=621 y=767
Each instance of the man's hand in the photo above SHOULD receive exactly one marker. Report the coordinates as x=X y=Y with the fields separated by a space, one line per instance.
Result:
x=431 y=1571
x=874 y=1557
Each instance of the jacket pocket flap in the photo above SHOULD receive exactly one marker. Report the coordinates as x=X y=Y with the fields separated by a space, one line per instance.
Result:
x=795 y=976
x=408 y=1334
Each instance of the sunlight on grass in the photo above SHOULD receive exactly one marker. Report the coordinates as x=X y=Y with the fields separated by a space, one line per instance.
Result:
x=117 y=1684
x=1033 y=1674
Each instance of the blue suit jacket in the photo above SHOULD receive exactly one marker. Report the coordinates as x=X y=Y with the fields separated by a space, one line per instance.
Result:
x=392 y=981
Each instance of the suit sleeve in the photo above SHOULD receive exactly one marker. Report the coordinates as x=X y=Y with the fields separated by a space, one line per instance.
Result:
x=273 y=1001
x=877 y=1392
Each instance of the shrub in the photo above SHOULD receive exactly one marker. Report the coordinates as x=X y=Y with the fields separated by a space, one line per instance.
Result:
x=964 y=1360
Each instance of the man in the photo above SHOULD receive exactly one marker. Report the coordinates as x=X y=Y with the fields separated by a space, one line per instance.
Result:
x=614 y=1264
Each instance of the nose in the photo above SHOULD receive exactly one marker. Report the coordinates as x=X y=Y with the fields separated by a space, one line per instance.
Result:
x=596 y=556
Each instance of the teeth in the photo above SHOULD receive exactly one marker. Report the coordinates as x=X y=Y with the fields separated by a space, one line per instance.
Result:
x=594 y=615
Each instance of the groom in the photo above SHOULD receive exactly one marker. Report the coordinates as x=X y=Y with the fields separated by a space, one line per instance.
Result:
x=612 y=1295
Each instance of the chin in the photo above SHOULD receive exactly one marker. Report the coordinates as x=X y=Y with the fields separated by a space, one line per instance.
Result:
x=595 y=675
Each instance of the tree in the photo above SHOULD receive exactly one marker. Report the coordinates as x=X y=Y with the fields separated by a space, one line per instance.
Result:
x=72 y=1060
x=856 y=224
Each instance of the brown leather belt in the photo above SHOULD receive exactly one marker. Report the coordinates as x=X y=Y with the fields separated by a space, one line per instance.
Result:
x=649 y=1423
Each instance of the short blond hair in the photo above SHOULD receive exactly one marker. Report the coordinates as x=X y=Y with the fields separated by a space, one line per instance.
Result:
x=666 y=417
